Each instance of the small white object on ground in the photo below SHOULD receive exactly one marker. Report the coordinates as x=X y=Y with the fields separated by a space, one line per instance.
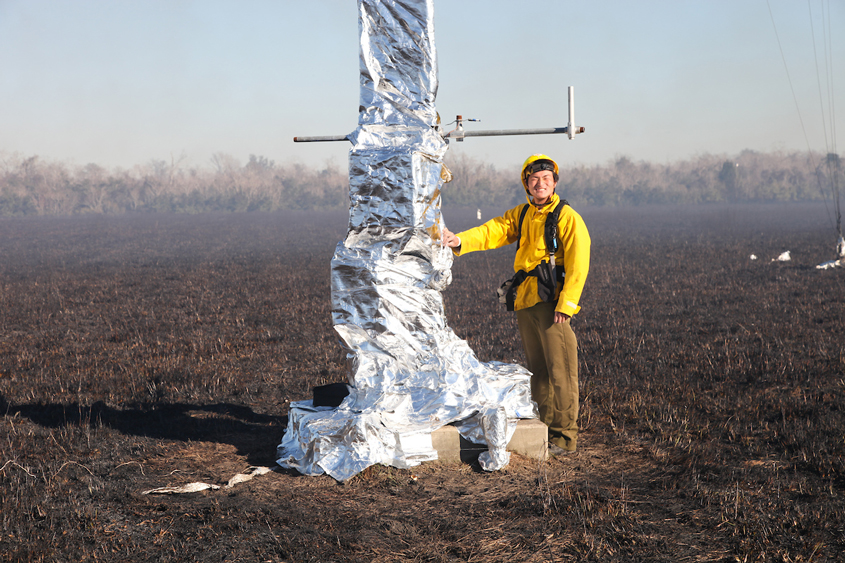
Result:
x=197 y=486
x=831 y=264
x=189 y=488
x=243 y=477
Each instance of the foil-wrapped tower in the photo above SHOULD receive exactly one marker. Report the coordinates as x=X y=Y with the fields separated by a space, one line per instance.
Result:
x=409 y=373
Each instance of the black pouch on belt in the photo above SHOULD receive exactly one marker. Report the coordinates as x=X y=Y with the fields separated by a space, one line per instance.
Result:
x=546 y=281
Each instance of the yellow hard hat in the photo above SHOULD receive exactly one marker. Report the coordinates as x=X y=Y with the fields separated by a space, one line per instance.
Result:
x=536 y=163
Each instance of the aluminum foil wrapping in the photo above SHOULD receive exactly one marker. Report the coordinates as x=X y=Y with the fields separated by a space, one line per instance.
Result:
x=410 y=374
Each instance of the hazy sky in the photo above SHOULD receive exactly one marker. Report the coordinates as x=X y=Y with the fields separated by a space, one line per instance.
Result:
x=119 y=82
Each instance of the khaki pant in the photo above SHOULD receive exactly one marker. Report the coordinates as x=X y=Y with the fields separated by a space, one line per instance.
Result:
x=552 y=353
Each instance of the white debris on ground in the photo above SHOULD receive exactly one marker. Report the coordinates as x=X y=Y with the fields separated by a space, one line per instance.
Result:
x=831 y=264
x=840 y=251
x=189 y=488
x=243 y=477
x=198 y=486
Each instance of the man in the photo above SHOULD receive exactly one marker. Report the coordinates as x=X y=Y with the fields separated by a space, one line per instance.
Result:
x=548 y=285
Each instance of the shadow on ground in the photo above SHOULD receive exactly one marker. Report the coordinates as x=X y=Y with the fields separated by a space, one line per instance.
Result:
x=254 y=435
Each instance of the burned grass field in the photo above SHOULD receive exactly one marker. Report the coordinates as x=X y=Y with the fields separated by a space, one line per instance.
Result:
x=145 y=351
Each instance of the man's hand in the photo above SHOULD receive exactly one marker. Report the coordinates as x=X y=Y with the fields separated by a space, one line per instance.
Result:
x=448 y=238
x=560 y=317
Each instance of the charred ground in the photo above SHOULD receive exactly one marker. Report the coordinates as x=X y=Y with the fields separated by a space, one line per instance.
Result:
x=151 y=350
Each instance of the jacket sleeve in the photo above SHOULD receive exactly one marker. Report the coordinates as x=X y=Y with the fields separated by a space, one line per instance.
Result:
x=495 y=233
x=575 y=241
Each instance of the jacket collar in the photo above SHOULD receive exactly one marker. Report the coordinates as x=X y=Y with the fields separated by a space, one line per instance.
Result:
x=546 y=208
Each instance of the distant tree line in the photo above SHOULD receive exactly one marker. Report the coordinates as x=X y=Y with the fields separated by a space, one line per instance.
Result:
x=33 y=186
x=748 y=177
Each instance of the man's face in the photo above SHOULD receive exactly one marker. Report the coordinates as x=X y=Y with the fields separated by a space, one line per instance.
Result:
x=541 y=186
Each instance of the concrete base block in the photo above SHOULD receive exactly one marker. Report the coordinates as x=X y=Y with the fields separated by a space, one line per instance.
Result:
x=529 y=439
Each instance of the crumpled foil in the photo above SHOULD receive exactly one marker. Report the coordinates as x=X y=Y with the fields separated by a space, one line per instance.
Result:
x=410 y=374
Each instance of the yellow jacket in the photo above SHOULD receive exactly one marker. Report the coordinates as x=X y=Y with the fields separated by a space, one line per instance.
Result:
x=573 y=252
